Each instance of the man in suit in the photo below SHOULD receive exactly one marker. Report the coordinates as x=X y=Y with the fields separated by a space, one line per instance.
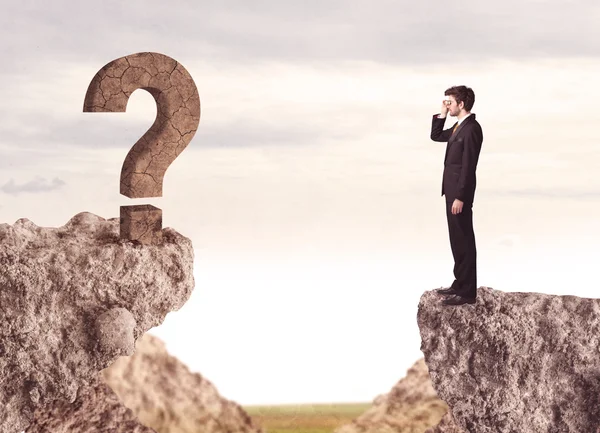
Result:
x=458 y=184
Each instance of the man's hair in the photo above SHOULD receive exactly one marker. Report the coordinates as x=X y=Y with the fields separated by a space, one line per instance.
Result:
x=462 y=94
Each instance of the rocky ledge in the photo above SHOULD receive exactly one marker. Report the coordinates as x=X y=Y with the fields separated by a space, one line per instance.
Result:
x=75 y=298
x=515 y=362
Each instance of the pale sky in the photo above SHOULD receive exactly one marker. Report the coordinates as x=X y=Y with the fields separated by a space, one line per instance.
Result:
x=311 y=191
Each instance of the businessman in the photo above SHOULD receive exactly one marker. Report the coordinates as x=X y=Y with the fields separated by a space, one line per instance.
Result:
x=458 y=185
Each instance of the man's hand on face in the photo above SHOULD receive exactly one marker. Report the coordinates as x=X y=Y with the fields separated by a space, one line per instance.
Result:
x=444 y=110
x=457 y=206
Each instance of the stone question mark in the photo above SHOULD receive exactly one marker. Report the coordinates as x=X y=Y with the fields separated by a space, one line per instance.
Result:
x=177 y=119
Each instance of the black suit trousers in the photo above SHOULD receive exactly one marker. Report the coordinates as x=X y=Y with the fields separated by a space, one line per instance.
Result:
x=462 y=242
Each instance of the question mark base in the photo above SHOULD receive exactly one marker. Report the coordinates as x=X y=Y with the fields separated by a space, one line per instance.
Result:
x=142 y=223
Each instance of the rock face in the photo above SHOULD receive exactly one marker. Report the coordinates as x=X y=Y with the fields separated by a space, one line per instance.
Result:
x=165 y=395
x=73 y=299
x=446 y=425
x=96 y=409
x=515 y=362
x=410 y=407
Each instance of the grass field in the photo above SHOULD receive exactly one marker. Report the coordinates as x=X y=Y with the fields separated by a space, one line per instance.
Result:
x=305 y=418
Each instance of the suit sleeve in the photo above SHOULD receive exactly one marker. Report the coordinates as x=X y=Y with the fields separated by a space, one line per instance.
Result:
x=471 y=149
x=437 y=132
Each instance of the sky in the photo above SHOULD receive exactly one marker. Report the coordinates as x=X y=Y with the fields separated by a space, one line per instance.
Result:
x=312 y=190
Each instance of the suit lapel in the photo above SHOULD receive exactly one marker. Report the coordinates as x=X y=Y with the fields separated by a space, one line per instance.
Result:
x=454 y=133
x=453 y=136
x=468 y=119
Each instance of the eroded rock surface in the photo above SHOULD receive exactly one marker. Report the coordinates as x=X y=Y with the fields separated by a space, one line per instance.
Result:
x=96 y=409
x=515 y=362
x=73 y=299
x=163 y=393
x=446 y=425
x=410 y=407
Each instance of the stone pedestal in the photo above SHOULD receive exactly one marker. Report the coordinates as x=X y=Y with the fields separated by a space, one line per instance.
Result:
x=142 y=223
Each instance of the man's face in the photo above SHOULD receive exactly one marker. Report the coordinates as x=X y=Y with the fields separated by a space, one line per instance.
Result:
x=453 y=108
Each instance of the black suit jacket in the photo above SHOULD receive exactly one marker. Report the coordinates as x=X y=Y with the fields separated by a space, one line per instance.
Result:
x=462 y=153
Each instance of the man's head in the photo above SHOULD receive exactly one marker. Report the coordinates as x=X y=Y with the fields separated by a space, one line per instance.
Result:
x=461 y=99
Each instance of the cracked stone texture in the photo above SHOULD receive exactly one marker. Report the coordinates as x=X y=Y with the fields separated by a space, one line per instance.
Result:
x=177 y=115
x=142 y=223
x=72 y=300
x=165 y=395
x=515 y=362
x=410 y=407
x=96 y=409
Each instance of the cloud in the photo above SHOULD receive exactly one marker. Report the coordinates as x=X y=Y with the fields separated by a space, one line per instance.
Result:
x=50 y=134
x=415 y=33
x=35 y=186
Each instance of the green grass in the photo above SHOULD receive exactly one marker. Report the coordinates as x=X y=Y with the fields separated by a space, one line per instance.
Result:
x=305 y=418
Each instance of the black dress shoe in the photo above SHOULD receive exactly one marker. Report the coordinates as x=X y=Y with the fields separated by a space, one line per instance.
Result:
x=458 y=300
x=448 y=291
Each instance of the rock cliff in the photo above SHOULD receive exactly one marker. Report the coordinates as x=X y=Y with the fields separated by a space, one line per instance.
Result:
x=161 y=392
x=96 y=409
x=410 y=407
x=165 y=395
x=72 y=300
x=515 y=362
